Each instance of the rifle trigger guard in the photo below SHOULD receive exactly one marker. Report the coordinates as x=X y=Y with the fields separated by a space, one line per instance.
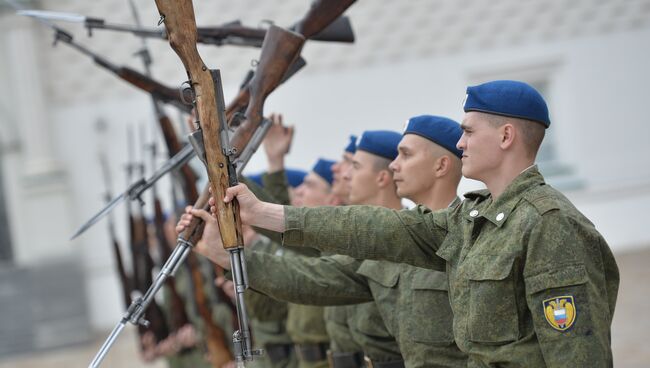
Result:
x=161 y=20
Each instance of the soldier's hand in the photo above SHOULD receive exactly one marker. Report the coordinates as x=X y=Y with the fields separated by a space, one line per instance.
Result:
x=277 y=143
x=248 y=202
x=225 y=285
x=210 y=245
x=252 y=211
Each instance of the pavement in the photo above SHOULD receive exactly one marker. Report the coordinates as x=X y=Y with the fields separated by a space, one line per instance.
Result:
x=629 y=331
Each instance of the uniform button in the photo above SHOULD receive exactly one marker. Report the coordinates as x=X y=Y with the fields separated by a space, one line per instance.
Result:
x=500 y=216
x=473 y=213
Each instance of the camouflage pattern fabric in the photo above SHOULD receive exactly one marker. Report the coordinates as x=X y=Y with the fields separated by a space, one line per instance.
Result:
x=506 y=260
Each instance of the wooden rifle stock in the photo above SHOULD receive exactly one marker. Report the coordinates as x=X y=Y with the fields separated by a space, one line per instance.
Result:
x=173 y=147
x=181 y=30
x=321 y=14
x=157 y=90
x=279 y=50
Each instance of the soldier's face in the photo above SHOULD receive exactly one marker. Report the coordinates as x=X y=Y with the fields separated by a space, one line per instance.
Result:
x=480 y=144
x=340 y=186
x=363 y=178
x=314 y=191
x=413 y=169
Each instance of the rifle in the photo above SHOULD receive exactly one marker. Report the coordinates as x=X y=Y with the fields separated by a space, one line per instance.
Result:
x=180 y=23
x=143 y=263
x=125 y=280
x=131 y=76
x=182 y=155
x=231 y=33
x=277 y=69
x=177 y=313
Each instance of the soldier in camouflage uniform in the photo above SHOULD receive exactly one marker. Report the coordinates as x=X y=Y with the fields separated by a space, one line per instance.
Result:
x=427 y=171
x=357 y=332
x=531 y=281
x=347 y=341
x=268 y=317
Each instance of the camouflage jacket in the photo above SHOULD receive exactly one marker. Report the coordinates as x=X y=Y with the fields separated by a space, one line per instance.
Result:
x=360 y=328
x=404 y=296
x=531 y=281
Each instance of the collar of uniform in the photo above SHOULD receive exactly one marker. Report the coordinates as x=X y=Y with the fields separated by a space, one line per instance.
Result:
x=498 y=211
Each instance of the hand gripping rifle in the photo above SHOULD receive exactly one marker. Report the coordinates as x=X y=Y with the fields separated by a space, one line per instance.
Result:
x=180 y=23
x=285 y=46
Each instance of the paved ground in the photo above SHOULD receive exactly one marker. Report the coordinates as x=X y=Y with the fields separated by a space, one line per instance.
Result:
x=631 y=328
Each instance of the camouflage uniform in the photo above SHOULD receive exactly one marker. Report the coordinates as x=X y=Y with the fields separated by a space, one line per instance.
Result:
x=268 y=321
x=305 y=323
x=404 y=295
x=197 y=357
x=188 y=357
x=356 y=331
x=531 y=281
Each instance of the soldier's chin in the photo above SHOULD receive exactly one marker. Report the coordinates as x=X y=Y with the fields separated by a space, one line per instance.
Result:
x=401 y=192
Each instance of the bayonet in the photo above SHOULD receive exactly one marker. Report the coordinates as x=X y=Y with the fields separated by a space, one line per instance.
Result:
x=135 y=190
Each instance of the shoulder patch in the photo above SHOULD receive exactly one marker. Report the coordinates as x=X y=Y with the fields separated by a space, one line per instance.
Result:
x=560 y=312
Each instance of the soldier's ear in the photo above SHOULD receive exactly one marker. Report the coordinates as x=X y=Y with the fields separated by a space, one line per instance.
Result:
x=508 y=134
x=384 y=178
x=442 y=166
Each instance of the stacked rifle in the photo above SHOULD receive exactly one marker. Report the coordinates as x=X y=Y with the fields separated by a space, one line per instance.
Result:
x=223 y=156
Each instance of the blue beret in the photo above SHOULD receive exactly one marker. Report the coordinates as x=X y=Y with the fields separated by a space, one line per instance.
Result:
x=382 y=143
x=508 y=98
x=352 y=146
x=295 y=176
x=257 y=178
x=440 y=130
x=324 y=169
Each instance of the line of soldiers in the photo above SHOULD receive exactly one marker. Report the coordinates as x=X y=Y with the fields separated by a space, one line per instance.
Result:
x=510 y=276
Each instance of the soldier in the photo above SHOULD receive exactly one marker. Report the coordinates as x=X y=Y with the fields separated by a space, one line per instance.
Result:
x=305 y=323
x=340 y=187
x=357 y=332
x=531 y=281
x=426 y=171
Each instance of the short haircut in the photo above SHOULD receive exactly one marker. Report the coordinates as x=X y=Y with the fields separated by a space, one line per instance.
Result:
x=381 y=163
x=532 y=132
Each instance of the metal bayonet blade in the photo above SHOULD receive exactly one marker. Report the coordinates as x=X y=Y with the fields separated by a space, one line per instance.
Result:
x=135 y=190
x=93 y=220
x=53 y=15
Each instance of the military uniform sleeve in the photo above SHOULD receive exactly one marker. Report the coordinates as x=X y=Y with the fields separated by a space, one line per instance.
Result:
x=567 y=294
x=265 y=196
x=369 y=232
x=263 y=307
x=307 y=280
x=277 y=186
